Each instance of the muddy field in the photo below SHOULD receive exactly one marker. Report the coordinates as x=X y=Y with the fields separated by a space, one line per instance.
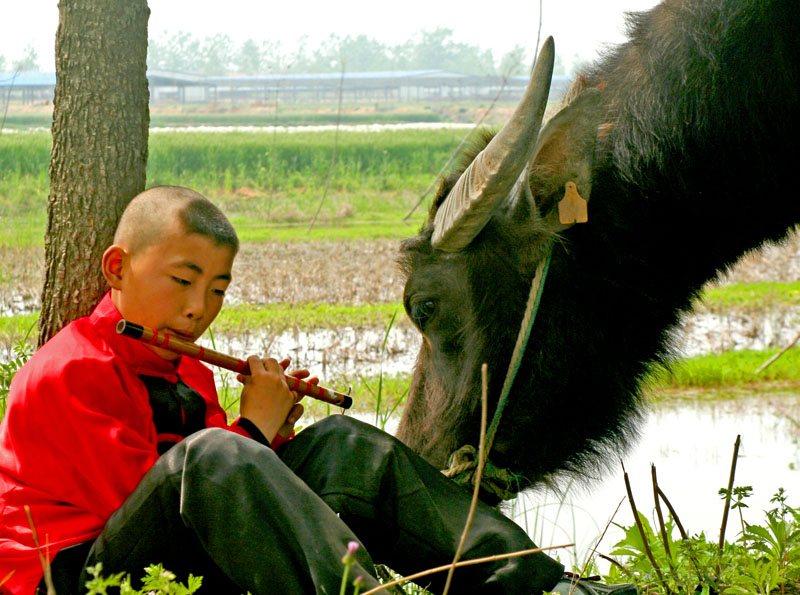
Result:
x=354 y=272
x=351 y=272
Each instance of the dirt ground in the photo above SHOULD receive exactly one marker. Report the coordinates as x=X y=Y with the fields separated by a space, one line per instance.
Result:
x=362 y=272
x=352 y=272
x=770 y=263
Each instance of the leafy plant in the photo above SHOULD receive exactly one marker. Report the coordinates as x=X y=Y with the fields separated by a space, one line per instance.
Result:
x=772 y=560
x=22 y=352
x=763 y=559
x=157 y=581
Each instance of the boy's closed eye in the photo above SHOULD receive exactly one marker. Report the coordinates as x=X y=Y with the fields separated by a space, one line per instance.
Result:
x=180 y=281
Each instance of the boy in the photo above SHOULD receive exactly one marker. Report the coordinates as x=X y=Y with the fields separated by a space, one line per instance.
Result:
x=124 y=456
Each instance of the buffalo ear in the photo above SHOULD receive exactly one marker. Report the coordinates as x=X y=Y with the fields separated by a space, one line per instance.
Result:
x=565 y=153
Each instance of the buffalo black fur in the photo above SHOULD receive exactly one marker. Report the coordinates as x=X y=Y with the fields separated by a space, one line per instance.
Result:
x=694 y=165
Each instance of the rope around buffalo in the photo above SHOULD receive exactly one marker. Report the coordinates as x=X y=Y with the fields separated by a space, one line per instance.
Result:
x=463 y=462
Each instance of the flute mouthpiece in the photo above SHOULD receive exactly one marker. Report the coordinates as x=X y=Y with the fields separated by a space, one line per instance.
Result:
x=129 y=329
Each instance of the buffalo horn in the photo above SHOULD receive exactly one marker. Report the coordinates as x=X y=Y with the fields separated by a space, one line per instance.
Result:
x=492 y=174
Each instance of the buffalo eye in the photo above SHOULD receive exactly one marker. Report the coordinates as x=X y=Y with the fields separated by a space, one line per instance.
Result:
x=422 y=311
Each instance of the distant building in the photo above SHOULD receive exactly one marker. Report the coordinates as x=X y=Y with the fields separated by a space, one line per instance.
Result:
x=405 y=86
x=27 y=87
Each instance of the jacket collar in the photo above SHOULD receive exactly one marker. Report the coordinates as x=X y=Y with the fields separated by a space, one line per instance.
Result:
x=104 y=318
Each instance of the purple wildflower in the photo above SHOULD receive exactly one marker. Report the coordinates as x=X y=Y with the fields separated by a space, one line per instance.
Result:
x=349 y=556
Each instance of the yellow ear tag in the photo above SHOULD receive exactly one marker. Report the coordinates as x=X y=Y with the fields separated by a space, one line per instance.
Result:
x=572 y=208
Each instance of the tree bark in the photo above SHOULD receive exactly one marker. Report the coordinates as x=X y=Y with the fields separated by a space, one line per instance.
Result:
x=99 y=153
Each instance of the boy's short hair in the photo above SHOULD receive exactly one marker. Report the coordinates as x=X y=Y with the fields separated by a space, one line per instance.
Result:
x=142 y=222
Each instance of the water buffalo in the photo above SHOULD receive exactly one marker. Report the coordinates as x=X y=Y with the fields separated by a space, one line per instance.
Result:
x=685 y=139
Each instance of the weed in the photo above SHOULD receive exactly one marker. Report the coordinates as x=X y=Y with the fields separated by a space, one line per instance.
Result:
x=383 y=414
x=228 y=396
x=157 y=581
x=762 y=560
x=22 y=353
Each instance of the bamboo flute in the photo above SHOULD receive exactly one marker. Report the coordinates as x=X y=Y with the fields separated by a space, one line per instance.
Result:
x=171 y=343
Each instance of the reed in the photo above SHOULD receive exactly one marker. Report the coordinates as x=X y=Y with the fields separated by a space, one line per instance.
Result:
x=731 y=369
x=259 y=177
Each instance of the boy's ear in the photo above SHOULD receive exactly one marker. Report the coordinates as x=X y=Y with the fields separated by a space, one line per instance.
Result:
x=114 y=260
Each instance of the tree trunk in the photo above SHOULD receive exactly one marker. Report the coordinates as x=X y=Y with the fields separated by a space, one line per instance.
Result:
x=99 y=155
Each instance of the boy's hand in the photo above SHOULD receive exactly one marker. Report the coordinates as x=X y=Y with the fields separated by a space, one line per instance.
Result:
x=266 y=398
x=294 y=414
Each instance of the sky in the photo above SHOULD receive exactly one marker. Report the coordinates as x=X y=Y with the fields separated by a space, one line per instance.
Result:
x=579 y=27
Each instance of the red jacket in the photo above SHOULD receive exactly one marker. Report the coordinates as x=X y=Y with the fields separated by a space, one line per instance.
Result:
x=78 y=436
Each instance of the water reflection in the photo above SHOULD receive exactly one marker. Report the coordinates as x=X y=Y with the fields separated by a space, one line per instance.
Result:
x=334 y=353
x=350 y=351
x=691 y=444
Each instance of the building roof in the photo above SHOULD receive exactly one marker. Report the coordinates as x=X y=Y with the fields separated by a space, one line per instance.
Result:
x=334 y=76
x=351 y=80
x=27 y=79
x=48 y=79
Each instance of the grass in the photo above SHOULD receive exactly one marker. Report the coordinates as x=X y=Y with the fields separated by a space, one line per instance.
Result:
x=21 y=231
x=730 y=369
x=28 y=230
x=368 y=402
x=329 y=231
x=751 y=296
x=16 y=327
x=383 y=160
x=376 y=176
x=282 y=317
x=268 y=184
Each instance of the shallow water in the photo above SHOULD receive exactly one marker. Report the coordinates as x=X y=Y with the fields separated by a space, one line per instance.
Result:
x=347 y=352
x=344 y=352
x=285 y=129
x=691 y=445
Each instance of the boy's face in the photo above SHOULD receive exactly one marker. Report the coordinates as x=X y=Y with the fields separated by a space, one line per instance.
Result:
x=177 y=285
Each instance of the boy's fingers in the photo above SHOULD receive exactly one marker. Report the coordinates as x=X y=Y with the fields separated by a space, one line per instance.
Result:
x=303 y=373
x=256 y=364
x=295 y=414
x=271 y=365
x=284 y=363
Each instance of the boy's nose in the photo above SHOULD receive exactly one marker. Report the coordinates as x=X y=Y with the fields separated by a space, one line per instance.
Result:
x=195 y=305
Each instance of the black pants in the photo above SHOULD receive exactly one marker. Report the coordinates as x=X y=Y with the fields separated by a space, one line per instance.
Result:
x=249 y=519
